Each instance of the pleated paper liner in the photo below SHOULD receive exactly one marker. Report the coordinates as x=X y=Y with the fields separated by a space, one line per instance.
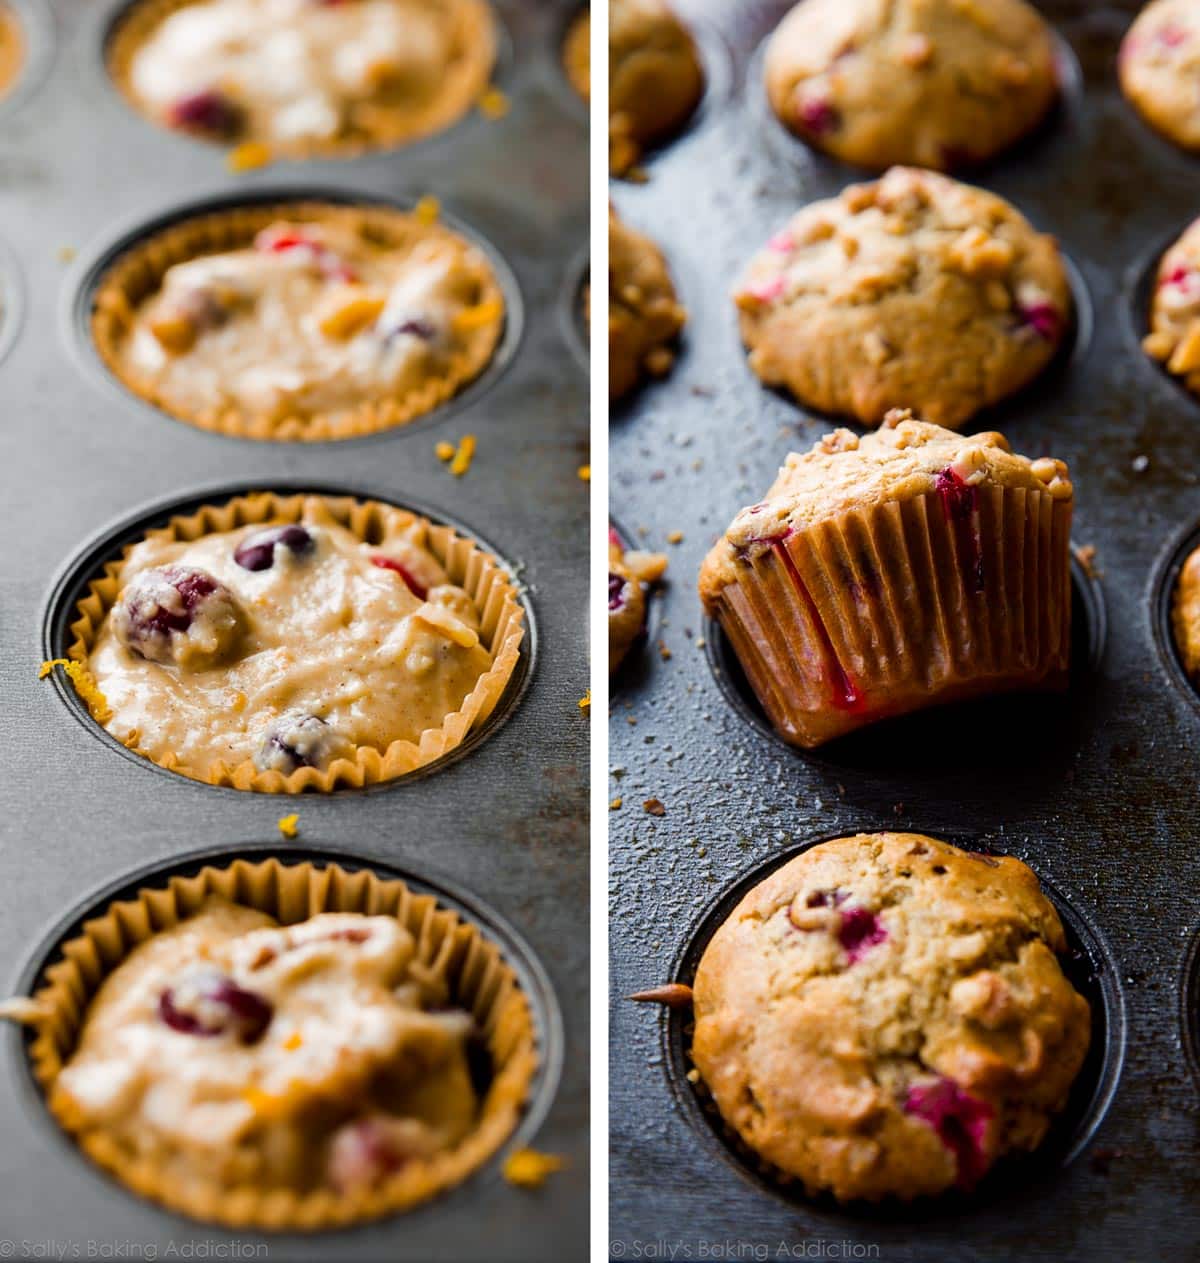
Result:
x=372 y=126
x=902 y=606
x=490 y=587
x=455 y=963
x=138 y=272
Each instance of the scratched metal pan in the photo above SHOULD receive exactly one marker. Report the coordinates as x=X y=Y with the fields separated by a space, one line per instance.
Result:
x=1098 y=796
x=503 y=826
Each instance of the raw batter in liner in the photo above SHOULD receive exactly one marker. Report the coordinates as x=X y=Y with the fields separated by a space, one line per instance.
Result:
x=288 y=646
x=234 y=1051
x=315 y=328
x=298 y=75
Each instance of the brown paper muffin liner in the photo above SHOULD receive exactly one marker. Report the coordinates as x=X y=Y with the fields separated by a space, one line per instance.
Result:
x=137 y=274
x=373 y=126
x=480 y=575
x=455 y=963
x=902 y=606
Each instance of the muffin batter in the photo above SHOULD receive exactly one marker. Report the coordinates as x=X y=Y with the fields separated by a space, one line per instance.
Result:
x=313 y=321
x=932 y=83
x=627 y=573
x=885 y=1015
x=295 y=75
x=915 y=291
x=288 y=646
x=1174 y=337
x=233 y=1051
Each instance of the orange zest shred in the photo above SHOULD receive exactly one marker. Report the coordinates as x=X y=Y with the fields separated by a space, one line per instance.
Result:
x=493 y=103
x=249 y=156
x=427 y=210
x=585 y=473
x=585 y=702
x=462 y=458
x=527 y=1168
x=85 y=685
x=444 y=450
x=288 y=825
x=293 y=1041
x=478 y=317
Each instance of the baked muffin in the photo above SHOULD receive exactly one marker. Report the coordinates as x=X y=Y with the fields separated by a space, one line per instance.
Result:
x=629 y=573
x=282 y=1046
x=1185 y=615
x=931 y=83
x=1174 y=337
x=577 y=54
x=1159 y=68
x=887 y=573
x=280 y=643
x=303 y=78
x=299 y=320
x=886 y=1016
x=644 y=316
x=655 y=79
x=12 y=49
x=914 y=291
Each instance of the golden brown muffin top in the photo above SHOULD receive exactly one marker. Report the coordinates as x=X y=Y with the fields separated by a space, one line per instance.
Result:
x=885 y=1015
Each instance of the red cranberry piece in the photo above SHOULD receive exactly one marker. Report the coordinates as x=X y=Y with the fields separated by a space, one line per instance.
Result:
x=207 y=111
x=177 y=614
x=1043 y=318
x=213 y=1004
x=961 y=1122
x=419 y=590
x=1172 y=35
x=274 y=240
x=616 y=592
x=958 y=496
x=859 y=931
x=297 y=740
x=1177 y=276
x=415 y=328
x=365 y=1153
x=257 y=551
x=817 y=117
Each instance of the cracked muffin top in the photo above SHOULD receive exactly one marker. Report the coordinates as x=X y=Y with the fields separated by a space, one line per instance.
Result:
x=914 y=291
x=885 y=1015
x=297 y=76
x=284 y=646
x=644 y=315
x=1174 y=337
x=933 y=83
x=237 y=1052
x=1159 y=67
x=844 y=473
x=655 y=79
x=330 y=324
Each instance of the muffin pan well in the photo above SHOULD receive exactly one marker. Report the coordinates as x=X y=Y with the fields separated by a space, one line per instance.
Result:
x=89 y=276
x=72 y=586
x=1095 y=789
x=509 y=819
x=1089 y=965
x=473 y=982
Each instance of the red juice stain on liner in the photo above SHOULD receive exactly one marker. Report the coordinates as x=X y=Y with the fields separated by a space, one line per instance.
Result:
x=846 y=695
x=960 y=502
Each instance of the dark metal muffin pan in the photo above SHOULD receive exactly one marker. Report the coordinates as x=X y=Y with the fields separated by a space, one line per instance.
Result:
x=507 y=819
x=1095 y=789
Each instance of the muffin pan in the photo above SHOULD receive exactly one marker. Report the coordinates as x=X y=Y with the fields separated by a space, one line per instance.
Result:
x=1095 y=790
x=507 y=817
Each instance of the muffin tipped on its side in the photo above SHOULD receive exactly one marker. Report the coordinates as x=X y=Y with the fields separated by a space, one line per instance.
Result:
x=887 y=573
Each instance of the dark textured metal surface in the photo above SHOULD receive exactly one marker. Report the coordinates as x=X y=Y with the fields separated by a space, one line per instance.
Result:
x=507 y=822
x=1096 y=792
